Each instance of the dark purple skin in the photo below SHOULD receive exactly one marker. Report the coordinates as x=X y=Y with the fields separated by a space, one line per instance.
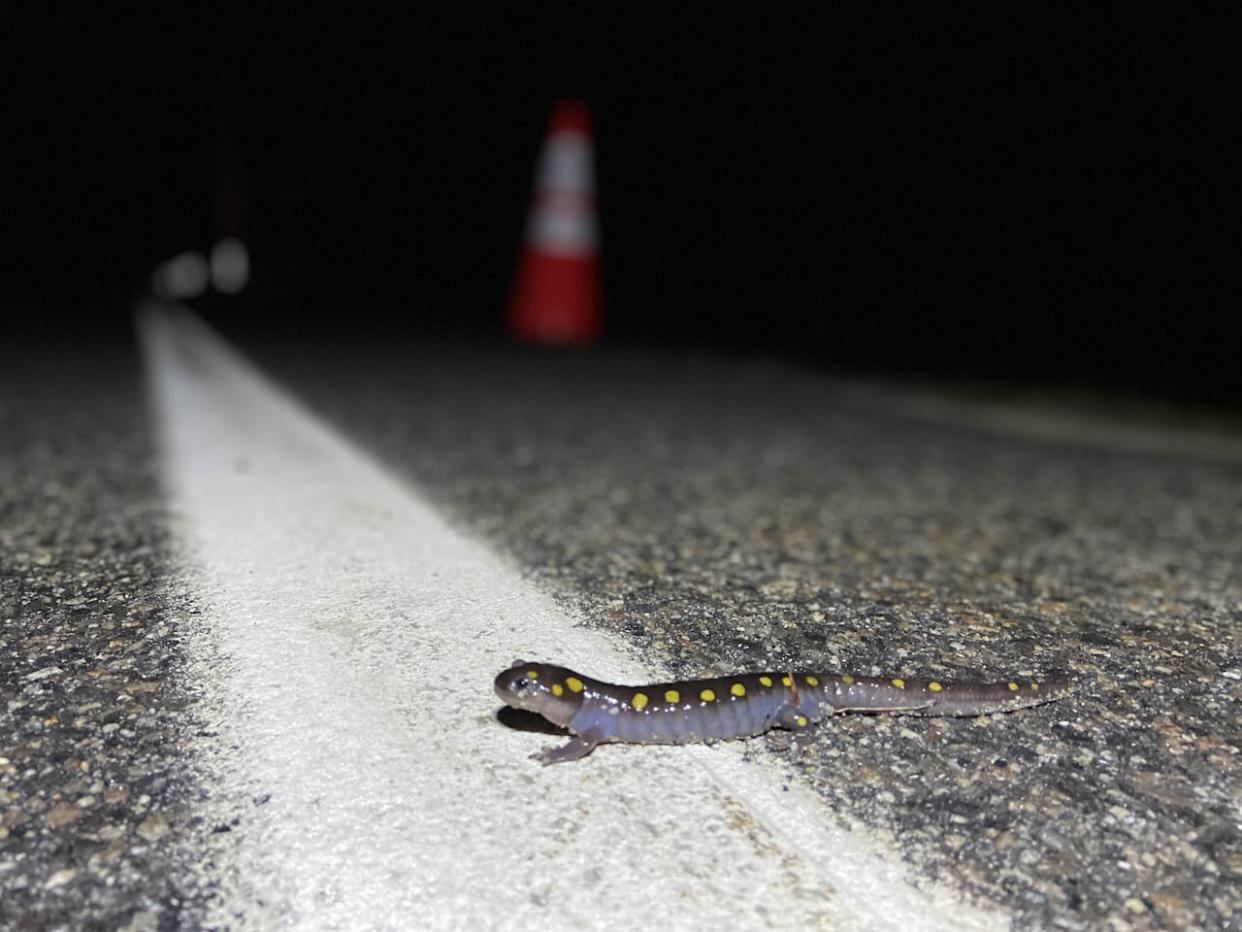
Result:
x=738 y=706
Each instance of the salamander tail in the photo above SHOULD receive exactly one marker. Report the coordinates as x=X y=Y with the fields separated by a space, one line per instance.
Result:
x=982 y=699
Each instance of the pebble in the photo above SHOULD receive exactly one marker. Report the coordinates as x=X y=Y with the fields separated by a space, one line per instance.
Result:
x=153 y=827
x=60 y=878
x=62 y=814
x=142 y=921
x=43 y=674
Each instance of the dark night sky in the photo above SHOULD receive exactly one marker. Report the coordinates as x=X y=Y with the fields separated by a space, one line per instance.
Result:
x=1044 y=196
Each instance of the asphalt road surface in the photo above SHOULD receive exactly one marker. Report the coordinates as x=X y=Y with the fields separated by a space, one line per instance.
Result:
x=252 y=606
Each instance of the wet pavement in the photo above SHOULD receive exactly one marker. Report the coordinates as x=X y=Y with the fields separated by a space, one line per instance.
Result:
x=718 y=516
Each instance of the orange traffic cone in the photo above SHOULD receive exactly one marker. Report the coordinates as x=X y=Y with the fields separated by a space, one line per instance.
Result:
x=555 y=296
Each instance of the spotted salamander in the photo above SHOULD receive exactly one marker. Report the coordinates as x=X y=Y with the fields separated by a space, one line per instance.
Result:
x=737 y=706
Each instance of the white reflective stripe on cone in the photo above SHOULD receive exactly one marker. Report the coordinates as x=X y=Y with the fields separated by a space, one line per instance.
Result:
x=562 y=231
x=567 y=163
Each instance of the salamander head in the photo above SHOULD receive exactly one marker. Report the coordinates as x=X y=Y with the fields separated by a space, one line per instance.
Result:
x=553 y=692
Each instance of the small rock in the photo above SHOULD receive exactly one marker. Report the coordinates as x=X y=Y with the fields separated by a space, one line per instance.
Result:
x=1170 y=904
x=43 y=674
x=60 y=878
x=62 y=814
x=153 y=827
x=1135 y=905
x=108 y=856
x=142 y=922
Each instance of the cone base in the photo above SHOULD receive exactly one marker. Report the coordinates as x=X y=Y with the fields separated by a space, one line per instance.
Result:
x=555 y=300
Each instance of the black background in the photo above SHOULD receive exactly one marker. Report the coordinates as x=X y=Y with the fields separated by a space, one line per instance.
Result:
x=1043 y=194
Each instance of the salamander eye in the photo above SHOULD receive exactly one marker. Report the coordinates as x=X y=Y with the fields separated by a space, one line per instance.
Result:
x=521 y=683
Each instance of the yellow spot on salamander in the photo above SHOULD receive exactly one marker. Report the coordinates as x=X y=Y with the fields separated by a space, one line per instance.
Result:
x=707 y=695
x=639 y=701
x=786 y=681
x=738 y=689
x=1035 y=687
x=672 y=695
x=899 y=682
x=847 y=679
x=532 y=674
x=557 y=689
x=1013 y=687
x=765 y=680
x=934 y=686
x=801 y=720
x=812 y=681
x=574 y=684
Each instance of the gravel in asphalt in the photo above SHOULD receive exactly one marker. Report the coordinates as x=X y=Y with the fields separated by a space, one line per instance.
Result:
x=96 y=803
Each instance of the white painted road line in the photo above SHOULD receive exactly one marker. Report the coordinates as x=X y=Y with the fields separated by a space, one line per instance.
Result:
x=348 y=642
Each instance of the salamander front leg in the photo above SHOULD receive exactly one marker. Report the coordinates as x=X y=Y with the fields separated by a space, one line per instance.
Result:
x=791 y=717
x=578 y=746
x=796 y=725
